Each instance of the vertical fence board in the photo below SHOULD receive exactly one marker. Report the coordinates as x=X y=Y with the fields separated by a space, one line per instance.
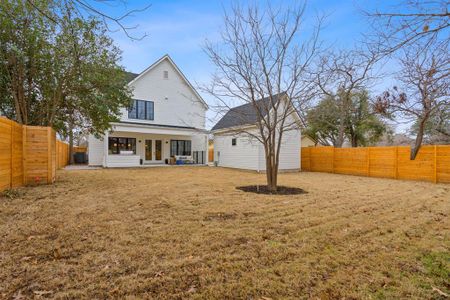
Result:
x=5 y=153
x=210 y=154
x=304 y=158
x=17 y=155
x=431 y=164
x=443 y=163
x=29 y=154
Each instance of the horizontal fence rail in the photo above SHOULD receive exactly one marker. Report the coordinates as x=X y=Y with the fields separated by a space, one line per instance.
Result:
x=431 y=164
x=29 y=154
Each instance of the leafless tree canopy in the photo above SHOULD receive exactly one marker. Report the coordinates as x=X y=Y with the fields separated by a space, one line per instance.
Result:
x=424 y=89
x=410 y=22
x=92 y=8
x=341 y=74
x=262 y=54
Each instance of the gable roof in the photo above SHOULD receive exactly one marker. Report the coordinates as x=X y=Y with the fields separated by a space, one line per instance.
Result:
x=129 y=76
x=245 y=114
x=167 y=57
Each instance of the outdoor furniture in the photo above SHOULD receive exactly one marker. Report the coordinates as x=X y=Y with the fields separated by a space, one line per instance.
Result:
x=183 y=159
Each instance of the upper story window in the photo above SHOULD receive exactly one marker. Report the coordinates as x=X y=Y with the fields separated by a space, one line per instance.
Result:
x=233 y=142
x=141 y=110
x=166 y=74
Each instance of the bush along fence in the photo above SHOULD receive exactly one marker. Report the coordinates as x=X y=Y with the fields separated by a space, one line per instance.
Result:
x=431 y=164
x=29 y=155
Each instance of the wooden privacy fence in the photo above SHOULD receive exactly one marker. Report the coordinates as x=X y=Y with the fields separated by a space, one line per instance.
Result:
x=29 y=154
x=431 y=164
x=211 y=154
x=81 y=149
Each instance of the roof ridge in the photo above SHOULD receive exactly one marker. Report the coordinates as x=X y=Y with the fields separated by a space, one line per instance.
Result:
x=248 y=115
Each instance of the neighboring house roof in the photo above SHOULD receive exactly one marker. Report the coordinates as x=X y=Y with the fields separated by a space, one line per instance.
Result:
x=306 y=138
x=129 y=76
x=245 y=114
x=167 y=57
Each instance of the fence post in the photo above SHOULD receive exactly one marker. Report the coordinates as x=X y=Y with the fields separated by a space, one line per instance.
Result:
x=396 y=163
x=12 y=153
x=332 y=161
x=24 y=156
x=435 y=164
x=310 y=159
x=49 y=154
x=368 y=161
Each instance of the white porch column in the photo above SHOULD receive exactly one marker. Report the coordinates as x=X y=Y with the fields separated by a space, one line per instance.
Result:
x=105 y=149
x=206 y=150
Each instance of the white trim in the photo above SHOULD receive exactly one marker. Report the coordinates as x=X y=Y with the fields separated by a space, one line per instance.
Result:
x=166 y=56
x=148 y=128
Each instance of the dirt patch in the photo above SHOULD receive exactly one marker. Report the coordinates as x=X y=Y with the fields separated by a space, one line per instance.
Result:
x=187 y=233
x=263 y=189
x=221 y=216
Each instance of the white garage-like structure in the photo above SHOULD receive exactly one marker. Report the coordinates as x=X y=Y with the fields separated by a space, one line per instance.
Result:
x=235 y=147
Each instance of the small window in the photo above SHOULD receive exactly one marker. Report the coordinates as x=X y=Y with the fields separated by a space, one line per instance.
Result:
x=166 y=74
x=233 y=142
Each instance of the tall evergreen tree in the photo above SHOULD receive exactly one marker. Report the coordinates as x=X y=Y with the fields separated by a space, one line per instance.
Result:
x=362 y=127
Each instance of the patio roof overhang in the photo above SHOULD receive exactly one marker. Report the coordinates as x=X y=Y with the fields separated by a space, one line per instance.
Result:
x=156 y=129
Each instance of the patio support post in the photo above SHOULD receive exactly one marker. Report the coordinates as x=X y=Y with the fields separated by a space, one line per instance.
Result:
x=206 y=151
x=105 y=149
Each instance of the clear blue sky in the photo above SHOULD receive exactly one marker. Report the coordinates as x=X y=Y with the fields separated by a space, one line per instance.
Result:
x=179 y=29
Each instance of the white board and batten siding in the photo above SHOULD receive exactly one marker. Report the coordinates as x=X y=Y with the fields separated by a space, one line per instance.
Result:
x=96 y=149
x=289 y=152
x=249 y=153
x=175 y=103
x=244 y=155
x=179 y=114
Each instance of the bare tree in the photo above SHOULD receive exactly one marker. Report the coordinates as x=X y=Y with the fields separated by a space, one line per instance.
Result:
x=409 y=22
x=261 y=55
x=425 y=87
x=92 y=8
x=342 y=74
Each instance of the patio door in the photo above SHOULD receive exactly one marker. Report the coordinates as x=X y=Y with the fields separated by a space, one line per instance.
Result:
x=148 y=150
x=153 y=150
x=158 y=150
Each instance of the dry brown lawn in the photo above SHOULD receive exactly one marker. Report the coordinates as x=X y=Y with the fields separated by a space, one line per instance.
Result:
x=186 y=232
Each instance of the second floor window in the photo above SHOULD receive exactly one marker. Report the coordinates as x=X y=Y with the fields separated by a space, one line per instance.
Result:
x=141 y=110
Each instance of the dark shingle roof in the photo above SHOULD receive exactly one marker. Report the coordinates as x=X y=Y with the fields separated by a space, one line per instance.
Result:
x=129 y=76
x=245 y=114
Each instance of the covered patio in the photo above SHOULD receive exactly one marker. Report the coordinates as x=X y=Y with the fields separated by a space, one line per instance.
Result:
x=134 y=145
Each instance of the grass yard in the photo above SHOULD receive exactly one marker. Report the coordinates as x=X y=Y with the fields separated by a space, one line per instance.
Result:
x=186 y=232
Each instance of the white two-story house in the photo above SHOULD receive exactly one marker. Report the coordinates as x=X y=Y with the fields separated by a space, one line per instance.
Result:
x=167 y=119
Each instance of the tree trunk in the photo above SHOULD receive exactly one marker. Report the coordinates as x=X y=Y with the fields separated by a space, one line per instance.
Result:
x=271 y=172
x=342 y=119
x=71 y=160
x=354 y=141
x=340 y=138
x=419 y=139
